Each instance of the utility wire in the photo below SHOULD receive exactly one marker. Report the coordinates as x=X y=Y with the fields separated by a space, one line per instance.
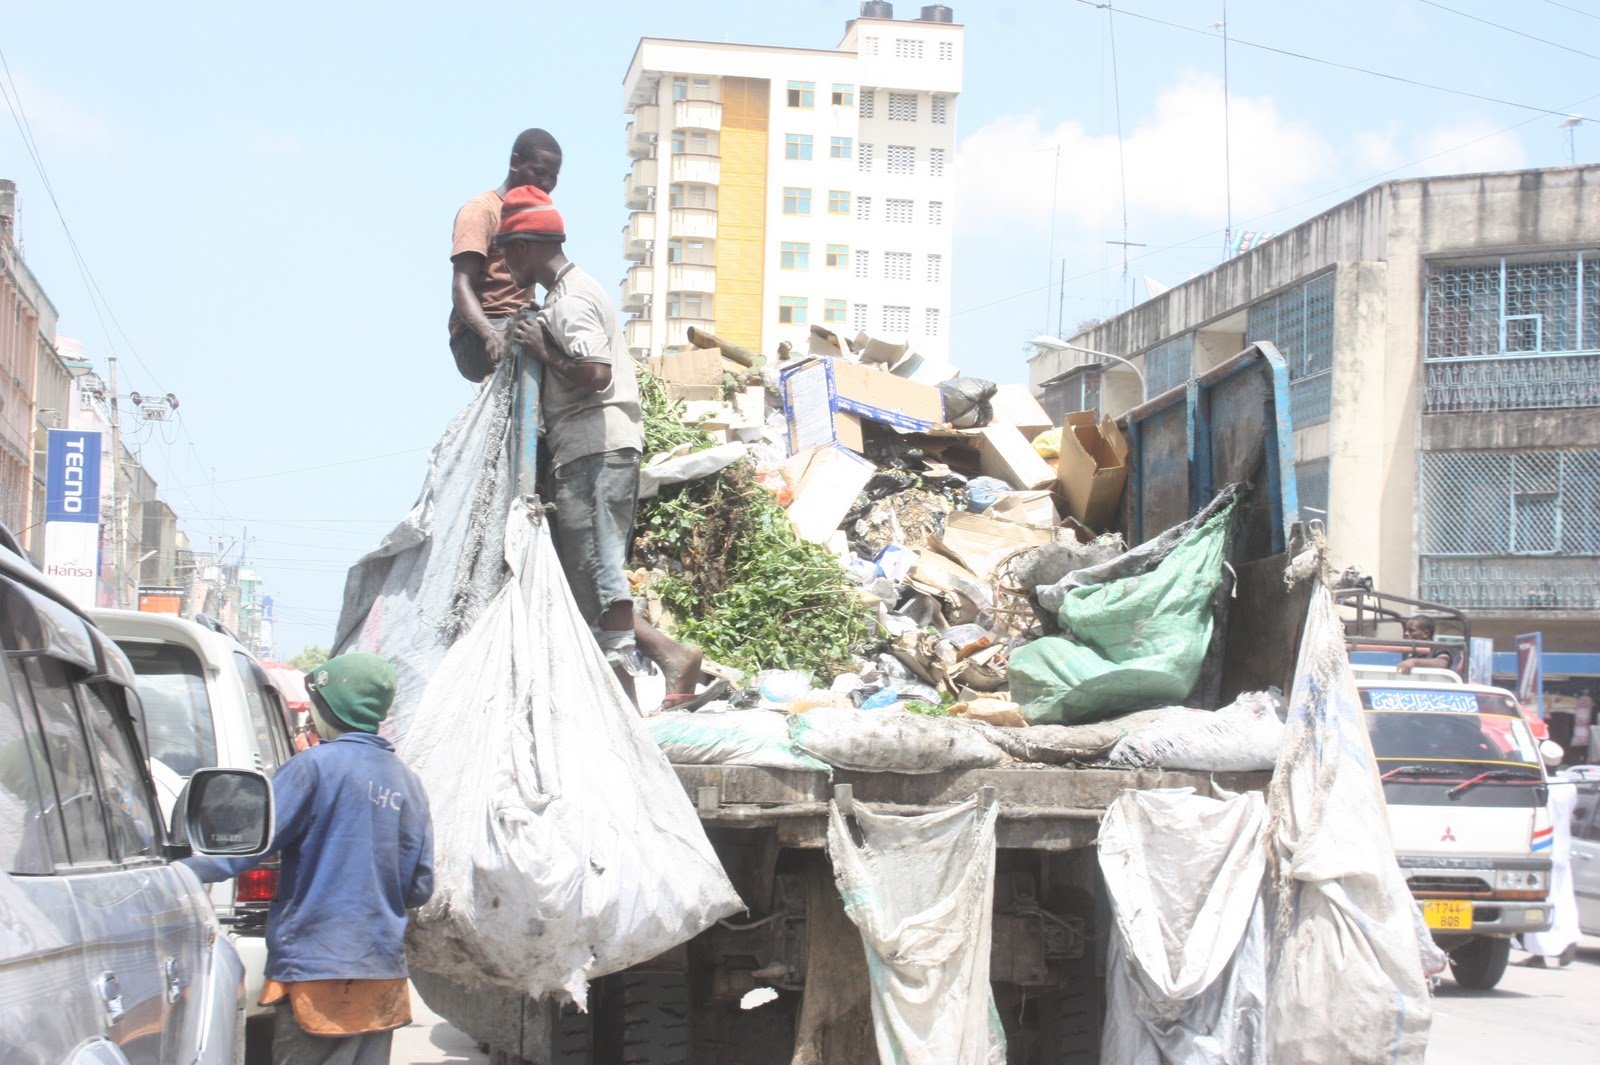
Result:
x=1508 y=29
x=1333 y=63
x=1574 y=10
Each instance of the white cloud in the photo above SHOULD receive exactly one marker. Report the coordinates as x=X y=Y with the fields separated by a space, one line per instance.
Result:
x=1174 y=163
x=1469 y=148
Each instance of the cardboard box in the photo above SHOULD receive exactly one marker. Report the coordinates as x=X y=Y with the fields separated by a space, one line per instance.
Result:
x=1005 y=453
x=981 y=543
x=1015 y=405
x=815 y=392
x=826 y=481
x=1028 y=508
x=695 y=374
x=1092 y=469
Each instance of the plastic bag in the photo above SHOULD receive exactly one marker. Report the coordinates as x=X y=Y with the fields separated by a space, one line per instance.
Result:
x=736 y=737
x=920 y=889
x=1244 y=736
x=1048 y=444
x=569 y=850
x=985 y=492
x=891 y=740
x=679 y=467
x=967 y=402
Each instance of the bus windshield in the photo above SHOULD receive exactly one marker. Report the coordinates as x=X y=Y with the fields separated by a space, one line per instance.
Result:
x=1445 y=725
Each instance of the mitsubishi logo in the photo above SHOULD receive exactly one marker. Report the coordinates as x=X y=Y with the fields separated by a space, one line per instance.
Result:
x=1448 y=837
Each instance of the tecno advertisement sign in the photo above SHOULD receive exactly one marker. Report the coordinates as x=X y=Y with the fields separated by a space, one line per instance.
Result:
x=72 y=513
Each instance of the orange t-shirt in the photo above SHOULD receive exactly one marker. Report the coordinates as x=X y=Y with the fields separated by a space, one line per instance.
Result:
x=344 y=1007
x=476 y=224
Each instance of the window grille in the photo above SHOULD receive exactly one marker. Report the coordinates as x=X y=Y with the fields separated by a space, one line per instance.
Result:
x=936 y=212
x=1077 y=389
x=869 y=46
x=1169 y=365
x=863 y=208
x=864 y=158
x=862 y=259
x=1300 y=322
x=858 y=317
x=902 y=107
x=1311 y=485
x=901 y=159
x=897 y=265
x=936 y=162
x=941 y=109
x=864 y=103
x=897 y=210
x=947 y=50
x=905 y=48
x=1513 y=334
x=896 y=319
x=935 y=267
x=930 y=323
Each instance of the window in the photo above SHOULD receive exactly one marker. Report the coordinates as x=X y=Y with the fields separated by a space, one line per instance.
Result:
x=680 y=88
x=902 y=159
x=679 y=140
x=858 y=317
x=25 y=830
x=1168 y=365
x=838 y=256
x=700 y=89
x=834 y=310
x=861 y=263
x=947 y=51
x=839 y=147
x=690 y=196
x=77 y=795
x=863 y=208
x=695 y=142
x=129 y=808
x=795 y=255
x=864 y=158
x=802 y=94
x=838 y=201
x=179 y=731
x=685 y=305
x=1299 y=321
x=941 y=109
x=797 y=146
x=843 y=95
x=869 y=46
x=864 y=103
x=936 y=212
x=936 y=162
x=796 y=201
x=897 y=265
x=905 y=48
x=935 y=267
x=792 y=310
x=896 y=319
x=902 y=107
x=930 y=322
x=264 y=704
x=897 y=210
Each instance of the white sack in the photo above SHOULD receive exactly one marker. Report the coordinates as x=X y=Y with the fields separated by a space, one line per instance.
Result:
x=1242 y=737
x=893 y=741
x=921 y=890
x=677 y=467
x=1186 y=973
x=565 y=846
x=1348 y=985
x=734 y=737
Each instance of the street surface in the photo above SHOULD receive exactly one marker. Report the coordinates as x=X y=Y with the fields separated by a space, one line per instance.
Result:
x=1535 y=1015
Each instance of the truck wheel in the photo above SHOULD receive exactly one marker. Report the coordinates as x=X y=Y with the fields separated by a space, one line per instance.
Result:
x=572 y=1037
x=654 y=1009
x=1070 y=1020
x=1481 y=963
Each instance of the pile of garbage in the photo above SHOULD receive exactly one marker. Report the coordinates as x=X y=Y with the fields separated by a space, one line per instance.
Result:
x=917 y=571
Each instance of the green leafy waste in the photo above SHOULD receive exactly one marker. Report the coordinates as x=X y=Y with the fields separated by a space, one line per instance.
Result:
x=739 y=582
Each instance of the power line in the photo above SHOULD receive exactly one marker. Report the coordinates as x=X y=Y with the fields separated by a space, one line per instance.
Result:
x=1335 y=64
x=1508 y=29
x=1574 y=10
x=320 y=466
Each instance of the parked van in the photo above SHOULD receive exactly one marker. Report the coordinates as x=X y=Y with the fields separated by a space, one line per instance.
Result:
x=208 y=702
x=110 y=952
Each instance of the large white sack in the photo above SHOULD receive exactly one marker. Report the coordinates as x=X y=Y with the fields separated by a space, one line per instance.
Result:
x=1186 y=975
x=1347 y=983
x=921 y=889
x=565 y=846
x=1244 y=736
x=891 y=741
x=732 y=737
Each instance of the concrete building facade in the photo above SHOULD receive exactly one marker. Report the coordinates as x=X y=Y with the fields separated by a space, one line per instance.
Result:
x=27 y=335
x=1443 y=341
x=772 y=189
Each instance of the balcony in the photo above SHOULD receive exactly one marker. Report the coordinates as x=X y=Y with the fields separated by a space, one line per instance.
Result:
x=638 y=235
x=638 y=187
x=693 y=222
x=697 y=114
x=637 y=288
x=677 y=334
x=1513 y=382
x=1501 y=584
x=691 y=277
x=638 y=334
x=697 y=167
x=643 y=131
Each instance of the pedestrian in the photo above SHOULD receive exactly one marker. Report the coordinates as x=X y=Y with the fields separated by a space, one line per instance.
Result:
x=483 y=296
x=356 y=845
x=1558 y=944
x=1420 y=627
x=594 y=433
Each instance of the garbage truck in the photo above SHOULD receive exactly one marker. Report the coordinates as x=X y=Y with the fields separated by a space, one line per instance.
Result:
x=787 y=981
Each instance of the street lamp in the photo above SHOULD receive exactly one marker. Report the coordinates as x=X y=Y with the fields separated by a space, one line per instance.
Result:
x=1046 y=343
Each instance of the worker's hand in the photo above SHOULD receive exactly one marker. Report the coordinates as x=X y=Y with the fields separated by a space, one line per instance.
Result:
x=527 y=331
x=494 y=345
x=1404 y=667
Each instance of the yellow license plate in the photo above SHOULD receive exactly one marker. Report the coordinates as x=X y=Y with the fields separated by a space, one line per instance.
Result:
x=1449 y=916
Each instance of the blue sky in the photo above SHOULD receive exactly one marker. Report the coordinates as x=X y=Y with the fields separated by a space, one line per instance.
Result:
x=264 y=193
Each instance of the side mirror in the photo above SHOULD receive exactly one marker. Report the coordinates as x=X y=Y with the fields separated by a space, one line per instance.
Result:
x=225 y=812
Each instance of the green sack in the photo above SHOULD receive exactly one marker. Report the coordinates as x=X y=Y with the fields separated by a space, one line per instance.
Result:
x=1136 y=643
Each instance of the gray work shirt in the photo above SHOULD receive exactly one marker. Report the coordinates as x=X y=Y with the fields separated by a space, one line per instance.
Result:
x=579 y=318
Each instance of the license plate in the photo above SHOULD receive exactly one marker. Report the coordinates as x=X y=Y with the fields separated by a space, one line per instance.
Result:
x=1450 y=916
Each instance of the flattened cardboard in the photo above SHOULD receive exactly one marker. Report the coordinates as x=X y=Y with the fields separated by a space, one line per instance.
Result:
x=1028 y=508
x=1005 y=453
x=695 y=374
x=827 y=481
x=1015 y=405
x=882 y=397
x=981 y=543
x=1092 y=469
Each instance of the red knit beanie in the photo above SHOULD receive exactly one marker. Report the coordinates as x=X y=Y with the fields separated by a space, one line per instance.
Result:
x=528 y=214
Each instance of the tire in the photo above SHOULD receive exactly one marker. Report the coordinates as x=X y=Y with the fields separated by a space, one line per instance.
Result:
x=572 y=1037
x=654 y=1011
x=1070 y=1025
x=258 y=1040
x=1481 y=963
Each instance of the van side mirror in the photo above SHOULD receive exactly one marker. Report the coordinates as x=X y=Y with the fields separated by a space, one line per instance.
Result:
x=225 y=812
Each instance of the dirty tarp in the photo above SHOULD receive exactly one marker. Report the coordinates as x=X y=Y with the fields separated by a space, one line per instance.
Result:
x=1132 y=643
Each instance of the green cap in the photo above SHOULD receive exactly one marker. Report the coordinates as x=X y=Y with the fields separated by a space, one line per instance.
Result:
x=357 y=689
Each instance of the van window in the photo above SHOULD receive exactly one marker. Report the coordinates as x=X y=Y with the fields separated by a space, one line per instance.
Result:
x=130 y=808
x=24 y=823
x=263 y=701
x=76 y=792
x=179 y=731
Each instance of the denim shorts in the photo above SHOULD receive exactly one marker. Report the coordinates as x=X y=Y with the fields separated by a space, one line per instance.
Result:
x=594 y=498
x=472 y=357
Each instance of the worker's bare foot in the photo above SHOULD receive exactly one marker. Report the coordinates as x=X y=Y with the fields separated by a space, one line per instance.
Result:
x=680 y=665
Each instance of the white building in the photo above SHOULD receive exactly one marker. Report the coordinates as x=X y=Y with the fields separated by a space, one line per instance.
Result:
x=776 y=188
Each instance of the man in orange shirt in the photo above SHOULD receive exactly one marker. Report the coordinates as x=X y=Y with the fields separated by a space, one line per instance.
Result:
x=483 y=295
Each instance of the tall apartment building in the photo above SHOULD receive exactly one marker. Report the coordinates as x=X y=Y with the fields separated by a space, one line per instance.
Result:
x=27 y=333
x=1442 y=337
x=773 y=189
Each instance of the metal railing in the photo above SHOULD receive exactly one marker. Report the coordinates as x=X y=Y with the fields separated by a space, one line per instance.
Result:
x=1490 y=584
x=1513 y=382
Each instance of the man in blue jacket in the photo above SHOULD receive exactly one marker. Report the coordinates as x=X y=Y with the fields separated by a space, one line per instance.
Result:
x=356 y=843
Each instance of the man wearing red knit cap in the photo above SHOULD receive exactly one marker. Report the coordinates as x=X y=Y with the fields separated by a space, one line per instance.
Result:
x=594 y=435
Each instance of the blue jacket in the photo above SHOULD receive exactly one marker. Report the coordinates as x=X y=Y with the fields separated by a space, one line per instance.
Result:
x=356 y=841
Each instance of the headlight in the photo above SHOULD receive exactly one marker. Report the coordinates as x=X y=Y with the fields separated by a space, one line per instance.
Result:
x=1519 y=880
